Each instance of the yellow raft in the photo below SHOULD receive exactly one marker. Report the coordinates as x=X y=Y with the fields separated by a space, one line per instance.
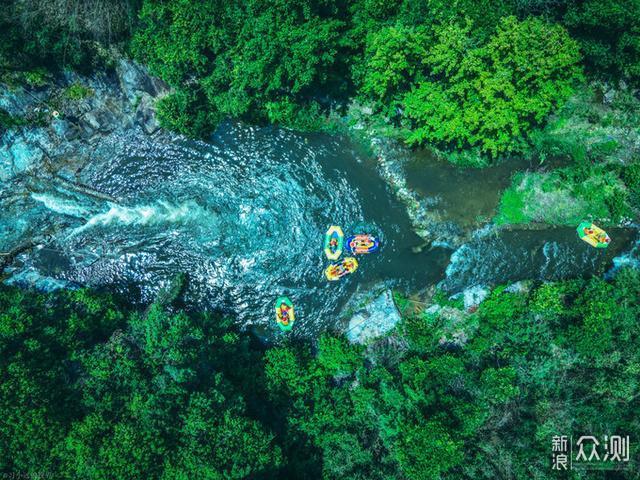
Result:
x=593 y=235
x=333 y=241
x=337 y=271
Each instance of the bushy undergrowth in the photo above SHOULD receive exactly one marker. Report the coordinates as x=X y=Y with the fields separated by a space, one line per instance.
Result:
x=596 y=136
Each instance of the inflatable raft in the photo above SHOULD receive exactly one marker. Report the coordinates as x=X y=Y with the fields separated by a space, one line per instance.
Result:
x=361 y=244
x=285 y=315
x=347 y=266
x=333 y=242
x=593 y=235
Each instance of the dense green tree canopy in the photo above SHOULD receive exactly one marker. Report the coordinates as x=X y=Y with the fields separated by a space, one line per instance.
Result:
x=491 y=96
x=92 y=390
x=609 y=35
x=464 y=75
x=256 y=60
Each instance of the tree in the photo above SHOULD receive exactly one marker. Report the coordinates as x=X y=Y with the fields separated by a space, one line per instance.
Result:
x=253 y=60
x=609 y=36
x=394 y=61
x=426 y=451
x=492 y=96
x=61 y=34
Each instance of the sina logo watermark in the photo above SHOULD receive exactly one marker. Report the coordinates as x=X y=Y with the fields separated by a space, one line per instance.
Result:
x=589 y=452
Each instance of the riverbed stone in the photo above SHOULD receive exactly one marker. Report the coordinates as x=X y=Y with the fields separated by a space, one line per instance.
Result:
x=135 y=81
x=66 y=130
x=31 y=278
x=520 y=287
x=116 y=102
x=20 y=152
x=374 y=319
x=474 y=296
x=146 y=115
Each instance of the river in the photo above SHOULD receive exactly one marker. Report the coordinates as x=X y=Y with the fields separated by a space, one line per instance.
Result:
x=244 y=216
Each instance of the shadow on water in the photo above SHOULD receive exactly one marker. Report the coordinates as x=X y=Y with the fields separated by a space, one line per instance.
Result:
x=513 y=255
x=467 y=196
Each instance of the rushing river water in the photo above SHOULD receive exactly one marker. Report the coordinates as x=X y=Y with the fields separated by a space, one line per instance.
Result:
x=244 y=216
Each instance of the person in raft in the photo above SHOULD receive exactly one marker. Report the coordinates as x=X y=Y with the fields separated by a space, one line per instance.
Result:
x=333 y=242
x=588 y=231
x=284 y=314
x=338 y=269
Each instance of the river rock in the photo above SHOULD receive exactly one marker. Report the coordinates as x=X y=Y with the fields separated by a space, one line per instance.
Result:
x=374 y=319
x=115 y=102
x=146 y=115
x=66 y=130
x=518 y=287
x=474 y=296
x=30 y=278
x=135 y=81
x=12 y=103
x=22 y=152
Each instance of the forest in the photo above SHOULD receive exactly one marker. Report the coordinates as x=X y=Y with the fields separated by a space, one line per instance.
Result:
x=492 y=70
x=94 y=387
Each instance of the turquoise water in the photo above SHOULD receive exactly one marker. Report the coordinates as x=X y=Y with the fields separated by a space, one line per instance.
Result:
x=244 y=215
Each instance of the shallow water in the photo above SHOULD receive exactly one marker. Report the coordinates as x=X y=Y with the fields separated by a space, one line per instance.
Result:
x=244 y=215
x=467 y=196
x=506 y=256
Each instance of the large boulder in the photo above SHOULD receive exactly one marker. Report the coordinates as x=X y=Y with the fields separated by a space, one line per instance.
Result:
x=135 y=81
x=146 y=115
x=377 y=317
x=22 y=151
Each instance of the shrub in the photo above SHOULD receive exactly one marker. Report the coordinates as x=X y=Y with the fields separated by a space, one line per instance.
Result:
x=77 y=91
x=184 y=113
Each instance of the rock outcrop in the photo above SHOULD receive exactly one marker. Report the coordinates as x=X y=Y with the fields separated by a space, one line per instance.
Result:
x=69 y=118
x=376 y=315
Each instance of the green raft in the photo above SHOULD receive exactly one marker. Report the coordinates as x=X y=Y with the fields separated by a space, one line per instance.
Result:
x=285 y=316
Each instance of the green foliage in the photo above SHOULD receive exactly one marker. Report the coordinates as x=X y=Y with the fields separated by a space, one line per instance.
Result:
x=461 y=84
x=63 y=34
x=631 y=177
x=394 y=61
x=89 y=388
x=37 y=77
x=593 y=136
x=597 y=307
x=498 y=384
x=511 y=208
x=77 y=91
x=565 y=196
x=9 y=121
x=92 y=390
x=548 y=300
x=182 y=112
x=492 y=96
x=609 y=35
x=426 y=451
x=253 y=60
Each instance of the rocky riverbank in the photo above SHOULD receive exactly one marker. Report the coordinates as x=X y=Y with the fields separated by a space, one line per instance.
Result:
x=66 y=120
